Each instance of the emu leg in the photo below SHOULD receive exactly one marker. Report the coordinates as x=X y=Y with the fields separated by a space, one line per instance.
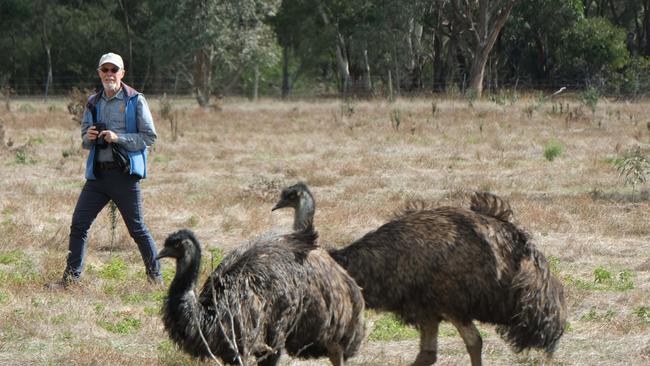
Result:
x=271 y=359
x=472 y=340
x=428 y=344
x=336 y=356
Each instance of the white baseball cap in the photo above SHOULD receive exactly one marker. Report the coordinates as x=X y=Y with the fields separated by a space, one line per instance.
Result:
x=112 y=58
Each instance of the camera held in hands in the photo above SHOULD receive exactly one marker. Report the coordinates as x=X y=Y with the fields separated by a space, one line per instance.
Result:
x=100 y=143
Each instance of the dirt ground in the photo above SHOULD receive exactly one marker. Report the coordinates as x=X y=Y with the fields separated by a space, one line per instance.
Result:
x=554 y=160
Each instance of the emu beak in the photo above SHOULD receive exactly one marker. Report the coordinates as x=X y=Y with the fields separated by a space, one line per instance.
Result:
x=164 y=252
x=280 y=204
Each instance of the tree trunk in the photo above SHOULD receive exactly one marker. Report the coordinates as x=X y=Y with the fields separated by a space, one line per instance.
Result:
x=391 y=97
x=48 y=55
x=367 y=84
x=203 y=77
x=415 y=52
x=437 y=71
x=285 y=72
x=646 y=18
x=438 y=64
x=452 y=49
x=256 y=81
x=485 y=37
x=129 y=37
x=396 y=66
x=343 y=64
x=341 y=54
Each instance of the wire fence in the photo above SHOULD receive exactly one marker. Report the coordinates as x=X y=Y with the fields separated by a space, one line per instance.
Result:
x=639 y=88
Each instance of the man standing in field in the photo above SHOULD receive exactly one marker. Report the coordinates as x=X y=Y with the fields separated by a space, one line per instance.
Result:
x=117 y=128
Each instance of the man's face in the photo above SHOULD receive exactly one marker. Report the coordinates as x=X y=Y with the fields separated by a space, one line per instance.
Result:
x=111 y=76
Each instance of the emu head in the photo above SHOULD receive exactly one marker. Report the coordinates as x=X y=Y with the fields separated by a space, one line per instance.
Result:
x=301 y=200
x=292 y=196
x=181 y=245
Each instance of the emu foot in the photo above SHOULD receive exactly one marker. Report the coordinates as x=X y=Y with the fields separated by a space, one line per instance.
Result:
x=425 y=358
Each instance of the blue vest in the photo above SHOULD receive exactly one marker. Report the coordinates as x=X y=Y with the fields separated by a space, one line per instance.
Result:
x=138 y=158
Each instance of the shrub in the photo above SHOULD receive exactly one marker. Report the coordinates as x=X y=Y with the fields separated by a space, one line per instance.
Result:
x=634 y=168
x=553 y=149
x=592 y=48
x=590 y=98
x=601 y=275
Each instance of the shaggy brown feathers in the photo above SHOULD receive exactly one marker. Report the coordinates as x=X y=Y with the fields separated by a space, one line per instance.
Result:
x=279 y=292
x=456 y=264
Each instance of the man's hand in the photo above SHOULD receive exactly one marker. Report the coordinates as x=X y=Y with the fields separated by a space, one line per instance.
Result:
x=92 y=133
x=109 y=136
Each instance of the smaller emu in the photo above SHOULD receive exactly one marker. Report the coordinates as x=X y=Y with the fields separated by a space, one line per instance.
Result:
x=430 y=264
x=279 y=292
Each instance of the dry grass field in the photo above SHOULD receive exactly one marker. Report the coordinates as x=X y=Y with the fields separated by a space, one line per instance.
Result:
x=554 y=160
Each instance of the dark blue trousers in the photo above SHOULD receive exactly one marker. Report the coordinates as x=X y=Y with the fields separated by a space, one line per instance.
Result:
x=124 y=190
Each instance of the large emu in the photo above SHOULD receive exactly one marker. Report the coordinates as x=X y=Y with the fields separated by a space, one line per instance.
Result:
x=448 y=263
x=279 y=292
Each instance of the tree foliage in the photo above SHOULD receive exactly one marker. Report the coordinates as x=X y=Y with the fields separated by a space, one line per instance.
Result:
x=593 y=48
x=214 y=47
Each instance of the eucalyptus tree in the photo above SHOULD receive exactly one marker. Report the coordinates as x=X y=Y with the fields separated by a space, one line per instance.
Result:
x=14 y=46
x=48 y=41
x=592 y=50
x=305 y=47
x=216 y=40
x=479 y=23
x=531 y=41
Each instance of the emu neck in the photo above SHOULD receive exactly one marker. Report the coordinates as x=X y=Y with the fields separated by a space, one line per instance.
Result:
x=304 y=213
x=187 y=273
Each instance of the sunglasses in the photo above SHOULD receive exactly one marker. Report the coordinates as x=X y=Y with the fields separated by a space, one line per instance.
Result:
x=106 y=70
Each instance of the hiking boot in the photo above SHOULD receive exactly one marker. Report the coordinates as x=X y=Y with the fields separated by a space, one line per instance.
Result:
x=62 y=284
x=156 y=280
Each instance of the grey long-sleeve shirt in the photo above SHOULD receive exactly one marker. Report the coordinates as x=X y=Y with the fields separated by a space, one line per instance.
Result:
x=112 y=113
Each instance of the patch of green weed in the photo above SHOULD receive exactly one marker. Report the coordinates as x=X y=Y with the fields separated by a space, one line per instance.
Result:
x=151 y=311
x=168 y=273
x=3 y=276
x=126 y=325
x=192 y=221
x=553 y=149
x=12 y=257
x=27 y=108
x=159 y=158
x=159 y=296
x=213 y=259
x=133 y=298
x=110 y=290
x=66 y=336
x=601 y=275
x=389 y=328
x=59 y=319
x=114 y=270
x=605 y=280
x=594 y=315
x=614 y=161
x=37 y=302
x=447 y=330
x=170 y=355
x=38 y=140
x=554 y=263
x=21 y=158
x=643 y=312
